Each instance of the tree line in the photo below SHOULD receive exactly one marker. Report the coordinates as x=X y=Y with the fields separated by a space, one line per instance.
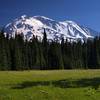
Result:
x=19 y=54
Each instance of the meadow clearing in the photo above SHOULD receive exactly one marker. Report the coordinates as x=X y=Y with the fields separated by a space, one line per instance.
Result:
x=50 y=85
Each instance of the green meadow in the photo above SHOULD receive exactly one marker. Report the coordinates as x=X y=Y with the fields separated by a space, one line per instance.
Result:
x=50 y=85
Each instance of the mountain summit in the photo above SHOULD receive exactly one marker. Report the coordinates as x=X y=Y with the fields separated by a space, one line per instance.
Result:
x=29 y=26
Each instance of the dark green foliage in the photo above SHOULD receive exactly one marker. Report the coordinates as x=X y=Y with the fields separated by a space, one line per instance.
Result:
x=44 y=51
x=55 y=56
x=4 y=54
x=19 y=54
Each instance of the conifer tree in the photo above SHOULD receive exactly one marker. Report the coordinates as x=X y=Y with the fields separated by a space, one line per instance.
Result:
x=18 y=52
x=45 y=49
x=4 y=62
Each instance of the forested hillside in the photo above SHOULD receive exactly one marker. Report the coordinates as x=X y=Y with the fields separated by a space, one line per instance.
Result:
x=19 y=54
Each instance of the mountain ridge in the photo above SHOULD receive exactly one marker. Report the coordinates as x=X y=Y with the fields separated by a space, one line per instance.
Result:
x=55 y=30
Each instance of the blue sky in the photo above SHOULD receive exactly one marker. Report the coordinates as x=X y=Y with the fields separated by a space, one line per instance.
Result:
x=85 y=12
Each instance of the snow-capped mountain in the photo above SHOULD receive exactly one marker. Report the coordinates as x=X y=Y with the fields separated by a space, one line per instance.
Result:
x=29 y=26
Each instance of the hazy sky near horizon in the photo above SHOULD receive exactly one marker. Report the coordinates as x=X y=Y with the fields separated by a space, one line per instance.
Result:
x=84 y=12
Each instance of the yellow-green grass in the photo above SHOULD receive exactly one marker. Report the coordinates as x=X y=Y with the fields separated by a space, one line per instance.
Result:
x=50 y=85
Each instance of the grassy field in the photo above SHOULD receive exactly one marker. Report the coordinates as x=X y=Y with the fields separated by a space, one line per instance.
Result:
x=50 y=85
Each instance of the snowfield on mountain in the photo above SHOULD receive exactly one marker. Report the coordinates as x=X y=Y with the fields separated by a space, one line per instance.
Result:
x=55 y=30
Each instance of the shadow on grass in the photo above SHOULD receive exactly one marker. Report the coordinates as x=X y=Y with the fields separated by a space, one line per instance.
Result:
x=94 y=83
